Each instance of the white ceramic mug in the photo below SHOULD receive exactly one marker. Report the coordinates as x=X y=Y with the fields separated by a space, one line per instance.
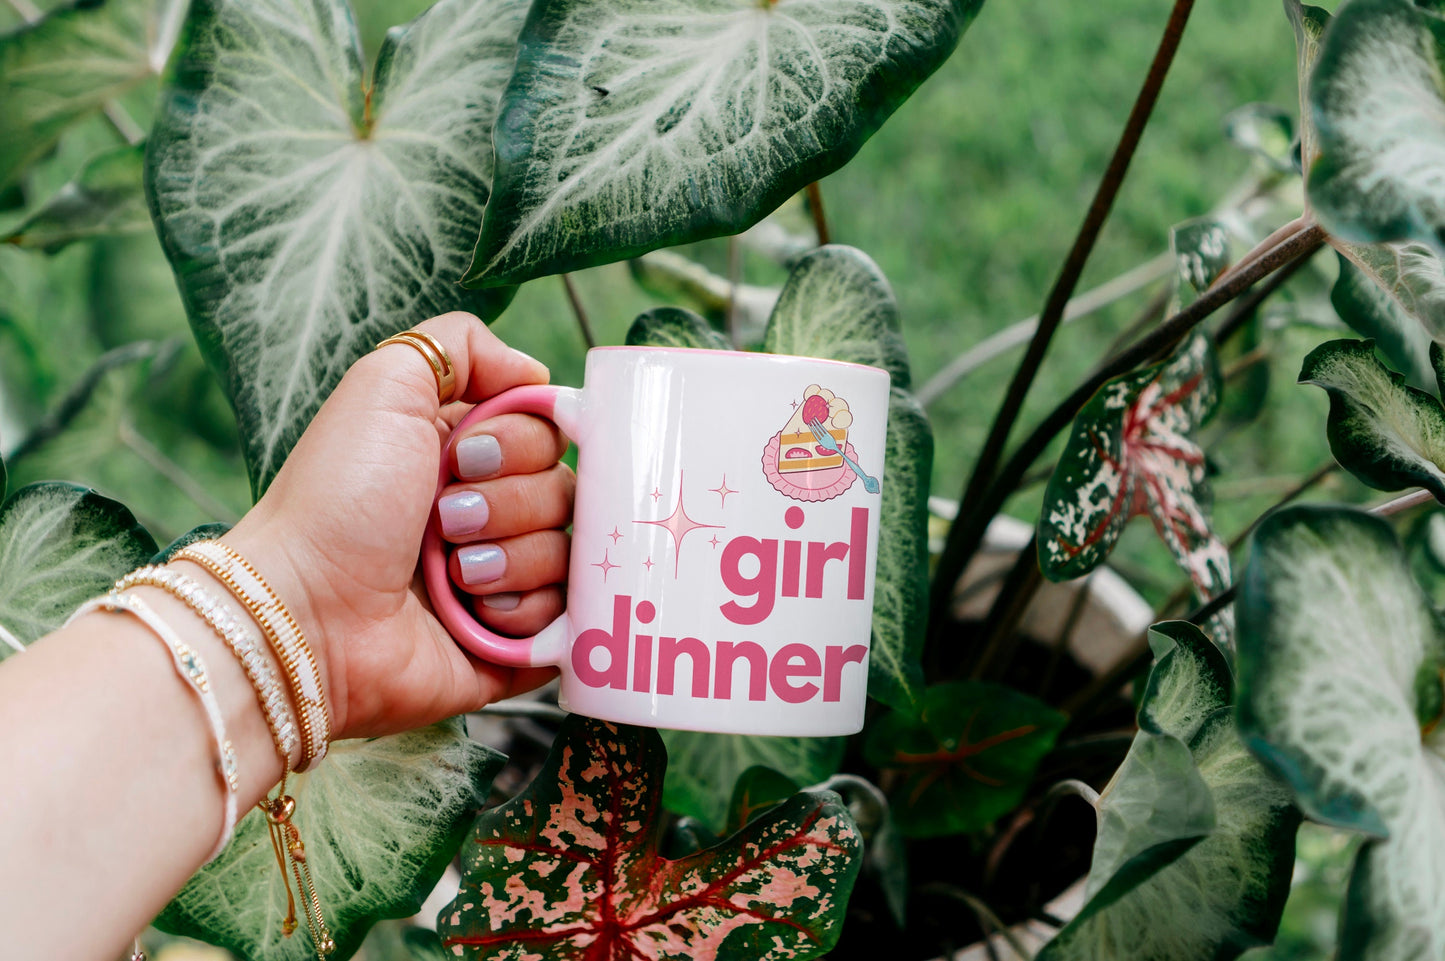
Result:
x=721 y=574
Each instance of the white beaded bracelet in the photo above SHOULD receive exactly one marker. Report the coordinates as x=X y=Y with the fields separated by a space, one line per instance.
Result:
x=192 y=669
x=281 y=629
x=241 y=638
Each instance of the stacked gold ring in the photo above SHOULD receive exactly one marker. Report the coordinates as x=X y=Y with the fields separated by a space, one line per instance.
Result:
x=436 y=356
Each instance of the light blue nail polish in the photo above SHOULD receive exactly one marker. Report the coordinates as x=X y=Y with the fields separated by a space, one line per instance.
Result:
x=478 y=456
x=481 y=563
x=463 y=513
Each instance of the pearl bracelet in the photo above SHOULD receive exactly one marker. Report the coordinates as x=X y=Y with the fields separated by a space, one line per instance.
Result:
x=243 y=641
x=192 y=669
x=284 y=634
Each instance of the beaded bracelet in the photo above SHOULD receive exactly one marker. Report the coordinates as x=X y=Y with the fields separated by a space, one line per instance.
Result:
x=284 y=634
x=192 y=670
x=243 y=641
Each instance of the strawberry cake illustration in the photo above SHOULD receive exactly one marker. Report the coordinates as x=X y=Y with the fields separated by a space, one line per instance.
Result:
x=808 y=466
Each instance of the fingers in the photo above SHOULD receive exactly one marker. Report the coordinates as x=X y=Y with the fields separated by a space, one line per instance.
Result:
x=504 y=506
x=506 y=444
x=520 y=613
x=511 y=564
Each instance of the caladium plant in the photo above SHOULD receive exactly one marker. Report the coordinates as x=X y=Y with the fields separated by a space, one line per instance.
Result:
x=570 y=868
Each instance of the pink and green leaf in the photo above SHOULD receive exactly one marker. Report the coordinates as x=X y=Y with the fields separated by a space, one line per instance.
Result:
x=570 y=868
x=1133 y=452
x=966 y=760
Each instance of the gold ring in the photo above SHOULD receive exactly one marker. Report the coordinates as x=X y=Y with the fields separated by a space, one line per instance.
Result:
x=436 y=357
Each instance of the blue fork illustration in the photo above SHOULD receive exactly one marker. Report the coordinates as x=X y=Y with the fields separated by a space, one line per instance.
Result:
x=825 y=440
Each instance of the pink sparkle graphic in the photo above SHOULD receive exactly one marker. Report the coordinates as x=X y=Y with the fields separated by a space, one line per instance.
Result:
x=649 y=565
x=679 y=525
x=655 y=495
x=616 y=534
x=723 y=490
x=714 y=542
x=606 y=565
x=794 y=403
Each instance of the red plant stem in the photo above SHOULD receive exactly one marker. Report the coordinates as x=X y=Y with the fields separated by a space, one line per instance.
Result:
x=820 y=219
x=1073 y=267
x=577 y=309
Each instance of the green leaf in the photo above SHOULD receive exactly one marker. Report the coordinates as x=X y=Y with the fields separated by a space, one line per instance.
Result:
x=570 y=868
x=1378 y=107
x=308 y=216
x=104 y=199
x=966 y=759
x=202 y=532
x=673 y=278
x=1386 y=433
x=885 y=848
x=836 y=304
x=1202 y=253
x=1372 y=302
x=1340 y=661
x=60 y=545
x=706 y=767
x=1222 y=896
x=1190 y=680
x=1155 y=809
x=757 y=789
x=1265 y=131
x=69 y=64
x=1309 y=24
x=674 y=327
x=1132 y=451
x=381 y=820
x=631 y=127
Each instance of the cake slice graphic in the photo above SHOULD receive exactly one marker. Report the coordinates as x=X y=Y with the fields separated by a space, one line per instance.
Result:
x=798 y=449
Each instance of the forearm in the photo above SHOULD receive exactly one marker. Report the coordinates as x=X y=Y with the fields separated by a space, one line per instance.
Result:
x=112 y=797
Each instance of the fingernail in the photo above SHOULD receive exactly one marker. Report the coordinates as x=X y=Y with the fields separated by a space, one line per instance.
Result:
x=481 y=563
x=501 y=602
x=478 y=456
x=463 y=513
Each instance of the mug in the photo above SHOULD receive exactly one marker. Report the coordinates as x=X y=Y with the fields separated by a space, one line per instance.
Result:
x=723 y=541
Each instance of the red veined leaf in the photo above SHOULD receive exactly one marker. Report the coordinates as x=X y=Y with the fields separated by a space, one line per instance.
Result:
x=1132 y=451
x=966 y=759
x=570 y=869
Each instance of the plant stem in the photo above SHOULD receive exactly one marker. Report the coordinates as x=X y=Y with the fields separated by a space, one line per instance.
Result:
x=735 y=278
x=125 y=125
x=820 y=219
x=987 y=918
x=1241 y=312
x=578 y=310
x=79 y=395
x=1008 y=607
x=1066 y=634
x=138 y=444
x=1089 y=302
x=1403 y=503
x=26 y=10
x=967 y=531
x=1052 y=313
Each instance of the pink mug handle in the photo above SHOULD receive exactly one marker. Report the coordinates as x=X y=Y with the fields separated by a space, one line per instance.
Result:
x=559 y=405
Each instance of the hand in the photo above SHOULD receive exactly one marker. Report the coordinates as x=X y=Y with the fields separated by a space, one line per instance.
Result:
x=339 y=531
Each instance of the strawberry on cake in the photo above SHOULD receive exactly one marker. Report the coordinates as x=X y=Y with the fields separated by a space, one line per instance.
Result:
x=798 y=450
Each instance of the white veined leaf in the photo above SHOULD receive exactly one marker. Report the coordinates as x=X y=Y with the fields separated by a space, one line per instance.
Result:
x=307 y=215
x=381 y=819
x=629 y=127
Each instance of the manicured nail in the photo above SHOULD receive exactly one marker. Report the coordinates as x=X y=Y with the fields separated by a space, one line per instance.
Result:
x=481 y=563
x=478 y=456
x=505 y=601
x=462 y=513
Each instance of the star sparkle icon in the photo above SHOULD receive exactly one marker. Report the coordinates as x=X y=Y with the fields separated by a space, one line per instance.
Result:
x=649 y=565
x=616 y=534
x=606 y=565
x=723 y=490
x=679 y=525
x=655 y=495
x=714 y=542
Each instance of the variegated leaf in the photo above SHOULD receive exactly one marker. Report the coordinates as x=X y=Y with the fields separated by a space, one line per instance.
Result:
x=705 y=768
x=674 y=327
x=1226 y=853
x=105 y=198
x=1379 y=111
x=1222 y=896
x=1340 y=665
x=381 y=819
x=1131 y=452
x=1265 y=131
x=1201 y=249
x=631 y=127
x=1309 y=24
x=837 y=304
x=1386 y=433
x=966 y=759
x=673 y=278
x=68 y=65
x=569 y=868
x=60 y=545
x=308 y=215
x=1375 y=310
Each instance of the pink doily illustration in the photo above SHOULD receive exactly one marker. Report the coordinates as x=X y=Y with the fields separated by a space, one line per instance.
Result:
x=810 y=485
